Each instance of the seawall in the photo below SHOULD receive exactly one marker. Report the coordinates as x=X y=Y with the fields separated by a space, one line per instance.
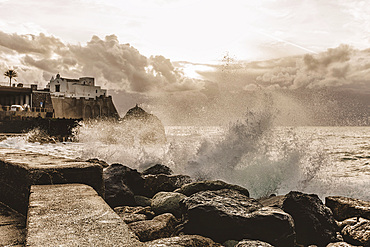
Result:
x=84 y=108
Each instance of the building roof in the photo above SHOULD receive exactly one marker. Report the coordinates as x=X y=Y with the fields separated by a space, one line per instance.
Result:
x=6 y=90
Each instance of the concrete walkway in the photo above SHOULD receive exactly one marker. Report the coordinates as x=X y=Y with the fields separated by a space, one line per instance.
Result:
x=74 y=215
x=12 y=227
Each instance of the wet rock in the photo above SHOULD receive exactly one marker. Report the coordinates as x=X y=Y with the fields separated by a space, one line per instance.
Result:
x=252 y=243
x=340 y=244
x=117 y=194
x=314 y=222
x=167 y=202
x=143 y=201
x=192 y=188
x=273 y=201
x=134 y=214
x=344 y=207
x=357 y=232
x=97 y=161
x=157 y=183
x=228 y=214
x=161 y=226
x=184 y=241
x=158 y=169
x=121 y=183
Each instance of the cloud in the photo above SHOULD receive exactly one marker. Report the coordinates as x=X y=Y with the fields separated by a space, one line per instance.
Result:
x=113 y=64
x=341 y=67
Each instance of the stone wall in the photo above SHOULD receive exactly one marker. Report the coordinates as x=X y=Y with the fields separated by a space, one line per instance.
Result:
x=44 y=97
x=84 y=108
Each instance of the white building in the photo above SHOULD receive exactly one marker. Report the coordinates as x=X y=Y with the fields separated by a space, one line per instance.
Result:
x=83 y=87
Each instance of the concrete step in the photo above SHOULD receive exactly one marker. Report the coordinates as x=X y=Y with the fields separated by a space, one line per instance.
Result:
x=74 y=215
x=12 y=227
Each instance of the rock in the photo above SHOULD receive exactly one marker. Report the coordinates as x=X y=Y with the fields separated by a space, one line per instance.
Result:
x=133 y=214
x=157 y=183
x=161 y=226
x=192 y=188
x=348 y=222
x=143 y=201
x=230 y=243
x=121 y=183
x=314 y=222
x=228 y=214
x=158 y=169
x=273 y=201
x=340 y=244
x=167 y=202
x=252 y=243
x=97 y=161
x=184 y=241
x=117 y=194
x=357 y=232
x=344 y=207
x=144 y=128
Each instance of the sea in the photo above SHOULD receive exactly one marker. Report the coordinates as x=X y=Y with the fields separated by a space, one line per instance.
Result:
x=254 y=153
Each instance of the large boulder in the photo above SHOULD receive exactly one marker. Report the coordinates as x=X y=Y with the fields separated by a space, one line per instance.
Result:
x=158 y=169
x=344 y=207
x=161 y=226
x=356 y=231
x=228 y=214
x=121 y=183
x=184 y=241
x=167 y=202
x=192 y=188
x=117 y=194
x=253 y=243
x=157 y=183
x=314 y=222
x=144 y=128
x=134 y=214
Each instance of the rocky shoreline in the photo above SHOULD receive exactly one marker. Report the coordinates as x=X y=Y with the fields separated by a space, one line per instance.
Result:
x=164 y=209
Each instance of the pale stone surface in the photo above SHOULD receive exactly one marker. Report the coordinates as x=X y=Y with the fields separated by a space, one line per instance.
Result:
x=74 y=215
x=12 y=227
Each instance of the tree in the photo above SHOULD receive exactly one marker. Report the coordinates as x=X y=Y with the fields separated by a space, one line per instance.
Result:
x=11 y=73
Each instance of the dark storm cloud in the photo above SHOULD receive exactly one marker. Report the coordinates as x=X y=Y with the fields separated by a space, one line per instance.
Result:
x=114 y=65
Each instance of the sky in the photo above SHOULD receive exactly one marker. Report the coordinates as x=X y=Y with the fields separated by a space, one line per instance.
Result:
x=187 y=60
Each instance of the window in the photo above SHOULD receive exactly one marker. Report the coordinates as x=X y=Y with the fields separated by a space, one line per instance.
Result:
x=57 y=88
x=96 y=91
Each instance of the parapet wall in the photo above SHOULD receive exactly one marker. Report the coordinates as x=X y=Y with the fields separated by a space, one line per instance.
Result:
x=19 y=170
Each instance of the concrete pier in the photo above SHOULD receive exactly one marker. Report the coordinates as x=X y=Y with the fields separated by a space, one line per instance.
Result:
x=74 y=215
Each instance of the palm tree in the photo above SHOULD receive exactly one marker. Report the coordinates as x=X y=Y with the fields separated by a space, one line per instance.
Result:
x=11 y=73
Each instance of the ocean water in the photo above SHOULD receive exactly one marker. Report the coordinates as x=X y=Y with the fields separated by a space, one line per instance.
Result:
x=253 y=153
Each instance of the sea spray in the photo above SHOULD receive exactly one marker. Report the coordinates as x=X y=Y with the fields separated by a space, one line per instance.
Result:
x=251 y=154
